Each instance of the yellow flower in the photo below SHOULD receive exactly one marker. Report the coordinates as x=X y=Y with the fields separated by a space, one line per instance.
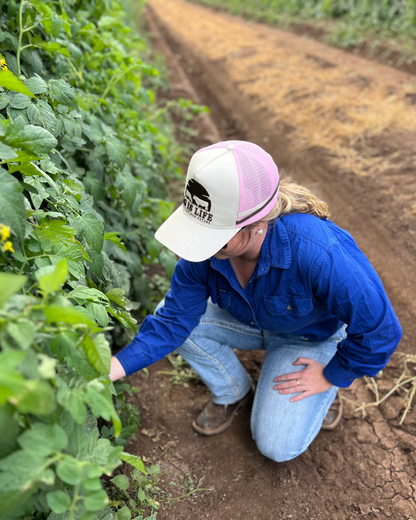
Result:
x=8 y=246
x=5 y=232
x=3 y=63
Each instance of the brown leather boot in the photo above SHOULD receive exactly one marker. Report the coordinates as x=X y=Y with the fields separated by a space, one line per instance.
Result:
x=215 y=418
x=334 y=414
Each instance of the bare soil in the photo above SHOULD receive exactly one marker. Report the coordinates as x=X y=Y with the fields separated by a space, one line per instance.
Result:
x=366 y=468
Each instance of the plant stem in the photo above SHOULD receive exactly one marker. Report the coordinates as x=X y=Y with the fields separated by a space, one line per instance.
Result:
x=75 y=499
x=116 y=79
x=188 y=494
x=409 y=402
x=19 y=46
x=33 y=26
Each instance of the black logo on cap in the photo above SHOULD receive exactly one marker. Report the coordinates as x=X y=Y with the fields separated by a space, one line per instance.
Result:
x=198 y=195
x=197 y=201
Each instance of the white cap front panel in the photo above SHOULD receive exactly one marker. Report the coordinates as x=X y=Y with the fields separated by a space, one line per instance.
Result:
x=212 y=190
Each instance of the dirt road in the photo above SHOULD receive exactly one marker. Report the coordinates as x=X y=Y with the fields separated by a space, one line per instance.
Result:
x=345 y=127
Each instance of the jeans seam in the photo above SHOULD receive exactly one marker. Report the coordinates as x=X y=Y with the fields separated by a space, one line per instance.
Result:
x=229 y=379
x=308 y=441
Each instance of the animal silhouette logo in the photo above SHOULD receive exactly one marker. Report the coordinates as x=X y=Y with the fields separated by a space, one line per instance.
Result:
x=197 y=195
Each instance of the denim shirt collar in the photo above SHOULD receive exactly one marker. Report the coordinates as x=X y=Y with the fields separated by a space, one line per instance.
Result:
x=275 y=252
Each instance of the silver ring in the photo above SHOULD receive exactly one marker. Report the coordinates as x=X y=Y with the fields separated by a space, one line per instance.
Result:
x=297 y=382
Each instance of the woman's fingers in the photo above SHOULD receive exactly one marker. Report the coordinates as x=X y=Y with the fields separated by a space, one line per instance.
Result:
x=291 y=390
x=304 y=361
x=287 y=377
x=300 y=396
x=288 y=384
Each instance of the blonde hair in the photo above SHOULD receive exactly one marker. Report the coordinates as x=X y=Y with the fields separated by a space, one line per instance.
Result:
x=294 y=198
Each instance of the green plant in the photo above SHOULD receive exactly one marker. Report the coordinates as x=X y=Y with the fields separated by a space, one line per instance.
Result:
x=356 y=20
x=85 y=153
x=132 y=495
x=181 y=373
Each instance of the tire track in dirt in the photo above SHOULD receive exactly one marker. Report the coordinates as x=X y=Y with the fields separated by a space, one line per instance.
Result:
x=364 y=469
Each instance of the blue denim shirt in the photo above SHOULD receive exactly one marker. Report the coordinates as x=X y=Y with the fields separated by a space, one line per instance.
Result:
x=310 y=279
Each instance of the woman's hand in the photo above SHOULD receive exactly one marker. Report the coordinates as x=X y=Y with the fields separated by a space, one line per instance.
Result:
x=309 y=381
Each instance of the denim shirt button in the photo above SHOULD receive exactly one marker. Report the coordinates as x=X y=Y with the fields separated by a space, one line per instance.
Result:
x=289 y=308
x=251 y=322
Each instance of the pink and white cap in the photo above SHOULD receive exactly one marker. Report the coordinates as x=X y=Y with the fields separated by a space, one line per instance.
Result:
x=229 y=185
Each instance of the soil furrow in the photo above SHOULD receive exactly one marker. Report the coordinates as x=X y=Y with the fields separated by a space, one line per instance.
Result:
x=280 y=91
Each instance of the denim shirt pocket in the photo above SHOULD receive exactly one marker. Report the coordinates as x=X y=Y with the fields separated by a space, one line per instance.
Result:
x=223 y=299
x=288 y=305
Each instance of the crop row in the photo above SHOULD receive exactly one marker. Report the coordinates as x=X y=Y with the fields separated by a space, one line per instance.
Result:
x=357 y=18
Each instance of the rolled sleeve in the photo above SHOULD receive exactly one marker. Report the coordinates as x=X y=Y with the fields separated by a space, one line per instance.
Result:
x=353 y=292
x=164 y=332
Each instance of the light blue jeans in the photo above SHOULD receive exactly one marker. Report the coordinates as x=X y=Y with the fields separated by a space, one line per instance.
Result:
x=282 y=430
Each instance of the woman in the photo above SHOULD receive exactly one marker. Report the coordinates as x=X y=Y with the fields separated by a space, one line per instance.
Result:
x=263 y=268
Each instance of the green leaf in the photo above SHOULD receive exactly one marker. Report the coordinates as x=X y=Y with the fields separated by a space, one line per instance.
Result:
x=73 y=253
x=43 y=439
x=69 y=470
x=57 y=24
x=91 y=229
x=9 y=81
x=99 y=313
x=115 y=239
x=38 y=398
x=86 y=293
x=51 y=278
x=130 y=186
x=20 y=101
x=42 y=114
x=27 y=395
x=57 y=314
x=98 y=352
x=58 y=501
x=92 y=484
x=102 y=406
x=121 y=481
x=117 y=151
x=22 y=331
x=76 y=407
x=97 y=263
x=141 y=495
x=168 y=261
x=36 y=85
x=134 y=461
x=64 y=347
x=10 y=284
x=7 y=152
x=47 y=366
x=12 y=501
x=21 y=470
x=63 y=93
x=32 y=138
x=12 y=206
x=124 y=513
x=96 y=500
x=53 y=46
x=117 y=296
x=153 y=248
x=56 y=231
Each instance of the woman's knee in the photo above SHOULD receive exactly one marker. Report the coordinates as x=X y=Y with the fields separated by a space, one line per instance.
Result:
x=277 y=448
